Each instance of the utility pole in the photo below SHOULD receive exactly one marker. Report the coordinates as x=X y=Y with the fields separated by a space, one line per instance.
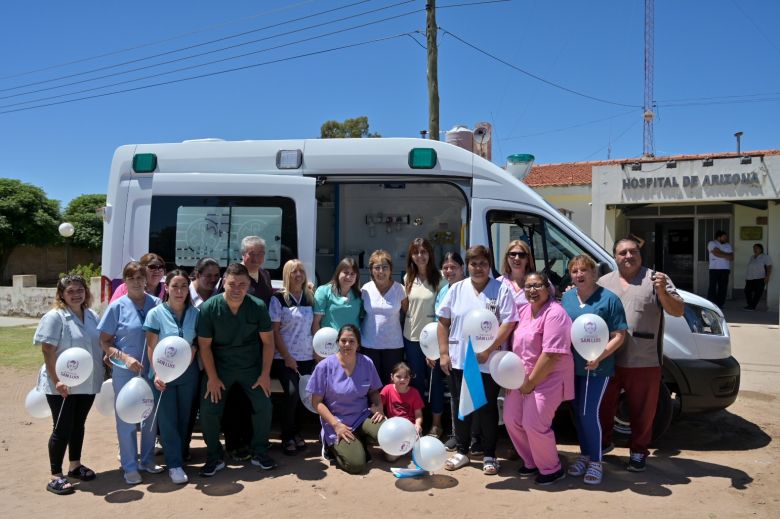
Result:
x=431 y=30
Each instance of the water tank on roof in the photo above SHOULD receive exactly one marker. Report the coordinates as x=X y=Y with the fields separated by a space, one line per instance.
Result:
x=519 y=164
x=460 y=136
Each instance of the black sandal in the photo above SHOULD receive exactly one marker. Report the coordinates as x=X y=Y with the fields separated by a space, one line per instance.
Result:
x=83 y=473
x=289 y=448
x=299 y=442
x=60 y=486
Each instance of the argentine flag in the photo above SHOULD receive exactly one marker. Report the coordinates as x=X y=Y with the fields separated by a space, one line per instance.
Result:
x=472 y=392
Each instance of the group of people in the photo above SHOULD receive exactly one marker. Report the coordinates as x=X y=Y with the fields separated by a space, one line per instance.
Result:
x=242 y=334
x=721 y=259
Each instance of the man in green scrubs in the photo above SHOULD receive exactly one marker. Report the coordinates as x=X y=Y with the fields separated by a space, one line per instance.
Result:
x=236 y=346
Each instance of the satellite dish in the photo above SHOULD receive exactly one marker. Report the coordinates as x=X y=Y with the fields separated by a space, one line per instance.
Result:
x=481 y=135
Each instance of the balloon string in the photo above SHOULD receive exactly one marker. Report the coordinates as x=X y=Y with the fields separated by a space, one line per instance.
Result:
x=585 y=400
x=60 y=413
x=157 y=408
x=430 y=386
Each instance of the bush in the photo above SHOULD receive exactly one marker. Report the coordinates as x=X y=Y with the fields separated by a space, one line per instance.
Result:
x=86 y=271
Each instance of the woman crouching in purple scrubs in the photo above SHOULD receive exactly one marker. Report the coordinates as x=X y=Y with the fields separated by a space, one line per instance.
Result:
x=345 y=392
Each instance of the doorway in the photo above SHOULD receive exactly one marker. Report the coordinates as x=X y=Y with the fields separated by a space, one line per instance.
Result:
x=669 y=247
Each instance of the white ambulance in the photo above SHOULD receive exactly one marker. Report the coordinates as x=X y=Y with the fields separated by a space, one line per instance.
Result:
x=322 y=200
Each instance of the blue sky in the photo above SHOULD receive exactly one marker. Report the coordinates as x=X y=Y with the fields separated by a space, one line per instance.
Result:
x=705 y=52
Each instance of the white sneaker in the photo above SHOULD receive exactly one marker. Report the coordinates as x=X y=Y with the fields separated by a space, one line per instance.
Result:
x=178 y=476
x=132 y=477
x=151 y=469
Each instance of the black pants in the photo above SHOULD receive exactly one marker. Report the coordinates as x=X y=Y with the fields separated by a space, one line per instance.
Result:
x=193 y=416
x=291 y=402
x=384 y=360
x=69 y=432
x=486 y=416
x=754 y=290
x=719 y=284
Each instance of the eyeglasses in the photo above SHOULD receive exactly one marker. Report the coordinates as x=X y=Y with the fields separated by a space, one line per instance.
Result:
x=535 y=286
x=155 y=267
x=380 y=268
x=517 y=254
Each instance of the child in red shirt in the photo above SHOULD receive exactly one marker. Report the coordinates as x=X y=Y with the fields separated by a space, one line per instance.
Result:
x=401 y=399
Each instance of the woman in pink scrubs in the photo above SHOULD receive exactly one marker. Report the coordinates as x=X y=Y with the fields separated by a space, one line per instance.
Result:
x=542 y=340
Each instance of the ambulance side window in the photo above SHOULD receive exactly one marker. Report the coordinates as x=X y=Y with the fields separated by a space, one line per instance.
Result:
x=183 y=229
x=551 y=247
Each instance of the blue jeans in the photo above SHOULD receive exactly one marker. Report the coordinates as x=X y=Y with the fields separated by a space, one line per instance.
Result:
x=586 y=410
x=127 y=432
x=422 y=374
x=173 y=416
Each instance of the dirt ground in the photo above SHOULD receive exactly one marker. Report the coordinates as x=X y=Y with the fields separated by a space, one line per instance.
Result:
x=714 y=466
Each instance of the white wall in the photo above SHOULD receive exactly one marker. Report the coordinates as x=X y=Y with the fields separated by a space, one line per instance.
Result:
x=572 y=198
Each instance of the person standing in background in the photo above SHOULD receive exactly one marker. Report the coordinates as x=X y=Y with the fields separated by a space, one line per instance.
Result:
x=759 y=268
x=721 y=256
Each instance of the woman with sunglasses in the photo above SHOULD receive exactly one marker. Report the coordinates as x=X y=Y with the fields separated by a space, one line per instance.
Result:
x=383 y=340
x=542 y=339
x=155 y=277
x=518 y=262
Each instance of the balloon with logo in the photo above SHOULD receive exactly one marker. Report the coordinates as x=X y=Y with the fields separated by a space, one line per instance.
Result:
x=429 y=341
x=325 y=341
x=429 y=453
x=305 y=395
x=36 y=404
x=481 y=324
x=74 y=366
x=589 y=336
x=135 y=402
x=508 y=370
x=171 y=358
x=397 y=436
x=104 y=401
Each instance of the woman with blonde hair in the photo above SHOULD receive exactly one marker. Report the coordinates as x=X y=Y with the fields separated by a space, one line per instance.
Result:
x=517 y=263
x=70 y=324
x=292 y=316
x=383 y=340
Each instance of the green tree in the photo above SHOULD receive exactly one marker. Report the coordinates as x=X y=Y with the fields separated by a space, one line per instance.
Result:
x=81 y=212
x=350 y=128
x=27 y=217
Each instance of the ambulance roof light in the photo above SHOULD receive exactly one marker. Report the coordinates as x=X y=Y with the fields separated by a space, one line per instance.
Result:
x=144 y=162
x=422 y=158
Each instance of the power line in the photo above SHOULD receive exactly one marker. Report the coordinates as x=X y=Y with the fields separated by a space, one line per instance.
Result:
x=578 y=125
x=534 y=76
x=630 y=126
x=190 y=47
x=157 y=42
x=229 y=58
x=683 y=99
x=210 y=74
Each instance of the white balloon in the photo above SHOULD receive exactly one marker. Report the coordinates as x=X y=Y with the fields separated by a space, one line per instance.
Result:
x=135 y=402
x=325 y=341
x=171 y=358
x=508 y=371
x=36 y=404
x=74 y=366
x=397 y=436
x=494 y=358
x=66 y=229
x=305 y=395
x=429 y=453
x=104 y=401
x=429 y=341
x=481 y=324
x=589 y=336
